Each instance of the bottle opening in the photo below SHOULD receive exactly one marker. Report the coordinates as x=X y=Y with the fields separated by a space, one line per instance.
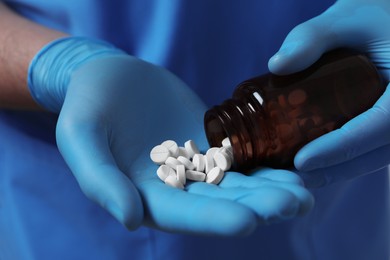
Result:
x=215 y=132
x=223 y=121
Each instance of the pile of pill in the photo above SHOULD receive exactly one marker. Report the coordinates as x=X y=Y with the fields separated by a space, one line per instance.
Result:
x=178 y=164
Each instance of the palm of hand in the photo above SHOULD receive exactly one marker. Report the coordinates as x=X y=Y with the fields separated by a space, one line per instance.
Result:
x=107 y=136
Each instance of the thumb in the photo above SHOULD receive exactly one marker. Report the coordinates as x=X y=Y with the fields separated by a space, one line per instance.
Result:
x=303 y=46
x=85 y=148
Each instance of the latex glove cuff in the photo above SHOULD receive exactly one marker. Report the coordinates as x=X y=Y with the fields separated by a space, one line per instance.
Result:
x=50 y=70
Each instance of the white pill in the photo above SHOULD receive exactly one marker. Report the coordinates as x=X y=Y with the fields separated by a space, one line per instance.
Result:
x=183 y=152
x=181 y=174
x=222 y=160
x=164 y=171
x=211 y=152
x=172 y=147
x=172 y=162
x=209 y=163
x=215 y=175
x=228 y=150
x=173 y=181
x=195 y=175
x=226 y=142
x=159 y=154
x=198 y=161
x=186 y=162
x=191 y=148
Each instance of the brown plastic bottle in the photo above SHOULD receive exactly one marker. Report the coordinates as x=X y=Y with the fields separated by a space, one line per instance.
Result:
x=269 y=118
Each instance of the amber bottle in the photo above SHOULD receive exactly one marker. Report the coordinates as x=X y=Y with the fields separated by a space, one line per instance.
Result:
x=269 y=117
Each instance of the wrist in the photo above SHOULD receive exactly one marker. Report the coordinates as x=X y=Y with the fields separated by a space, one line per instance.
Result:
x=51 y=69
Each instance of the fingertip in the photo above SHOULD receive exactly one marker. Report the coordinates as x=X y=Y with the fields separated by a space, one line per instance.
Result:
x=285 y=198
x=298 y=202
x=277 y=204
x=132 y=213
x=125 y=205
x=303 y=46
x=240 y=224
x=307 y=201
x=132 y=224
x=293 y=58
x=322 y=152
x=85 y=149
x=113 y=191
x=279 y=62
x=304 y=162
x=130 y=218
x=279 y=175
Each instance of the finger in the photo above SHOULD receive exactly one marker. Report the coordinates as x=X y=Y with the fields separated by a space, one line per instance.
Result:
x=308 y=41
x=269 y=204
x=278 y=175
x=287 y=180
x=302 y=47
x=362 y=134
x=359 y=166
x=175 y=210
x=85 y=148
x=263 y=178
x=235 y=185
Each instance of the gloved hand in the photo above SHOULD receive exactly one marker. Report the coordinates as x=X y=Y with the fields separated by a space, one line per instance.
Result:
x=113 y=109
x=362 y=145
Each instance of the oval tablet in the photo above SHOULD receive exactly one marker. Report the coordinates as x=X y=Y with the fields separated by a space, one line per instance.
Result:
x=209 y=163
x=215 y=175
x=198 y=161
x=211 y=152
x=183 y=152
x=173 y=182
x=191 y=148
x=228 y=150
x=195 y=175
x=226 y=142
x=164 y=171
x=172 y=162
x=187 y=163
x=172 y=147
x=181 y=174
x=222 y=160
x=159 y=154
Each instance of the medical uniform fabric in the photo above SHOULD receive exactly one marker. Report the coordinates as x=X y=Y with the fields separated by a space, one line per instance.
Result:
x=212 y=46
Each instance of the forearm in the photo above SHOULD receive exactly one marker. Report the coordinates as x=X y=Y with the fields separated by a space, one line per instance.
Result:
x=20 y=40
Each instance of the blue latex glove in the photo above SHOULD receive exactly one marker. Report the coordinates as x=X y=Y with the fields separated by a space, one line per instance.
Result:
x=114 y=109
x=362 y=145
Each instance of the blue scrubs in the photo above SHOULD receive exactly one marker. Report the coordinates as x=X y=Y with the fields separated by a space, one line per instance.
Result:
x=211 y=45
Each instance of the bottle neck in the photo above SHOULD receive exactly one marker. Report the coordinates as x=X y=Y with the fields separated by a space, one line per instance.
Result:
x=240 y=122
